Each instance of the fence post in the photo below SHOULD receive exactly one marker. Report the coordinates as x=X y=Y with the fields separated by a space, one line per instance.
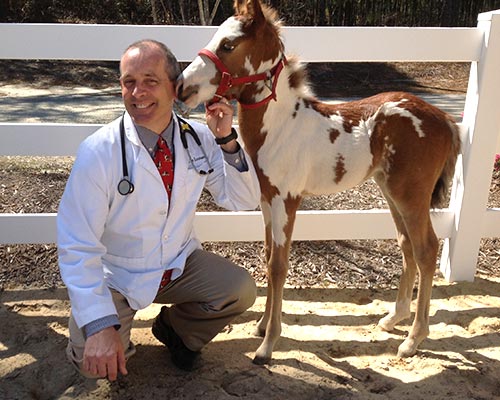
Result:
x=473 y=178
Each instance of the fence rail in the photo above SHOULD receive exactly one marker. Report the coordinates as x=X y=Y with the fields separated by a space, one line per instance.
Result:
x=462 y=225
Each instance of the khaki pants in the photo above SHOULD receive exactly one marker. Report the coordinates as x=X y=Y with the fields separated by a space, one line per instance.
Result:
x=205 y=298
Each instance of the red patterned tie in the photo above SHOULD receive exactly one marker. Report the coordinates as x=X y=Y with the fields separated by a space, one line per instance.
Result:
x=164 y=163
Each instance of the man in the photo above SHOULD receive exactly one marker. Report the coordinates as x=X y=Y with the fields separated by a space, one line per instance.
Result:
x=120 y=249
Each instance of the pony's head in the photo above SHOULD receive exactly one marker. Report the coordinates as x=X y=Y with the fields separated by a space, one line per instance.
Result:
x=240 y=60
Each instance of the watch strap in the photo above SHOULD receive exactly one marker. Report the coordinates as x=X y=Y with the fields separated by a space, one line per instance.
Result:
x=228 y=138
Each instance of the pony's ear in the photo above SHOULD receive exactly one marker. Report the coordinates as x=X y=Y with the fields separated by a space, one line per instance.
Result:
x=250 y=9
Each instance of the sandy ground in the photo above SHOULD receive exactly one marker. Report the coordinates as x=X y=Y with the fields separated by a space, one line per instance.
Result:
x=330 y=349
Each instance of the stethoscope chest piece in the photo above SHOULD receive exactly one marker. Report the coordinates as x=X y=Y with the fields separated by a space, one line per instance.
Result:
x=125 y=186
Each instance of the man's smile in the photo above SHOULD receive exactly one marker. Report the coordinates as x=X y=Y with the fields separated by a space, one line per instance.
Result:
x=142 y=106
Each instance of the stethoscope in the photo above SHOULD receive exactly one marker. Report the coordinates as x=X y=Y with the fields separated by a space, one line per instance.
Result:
x=125 y=186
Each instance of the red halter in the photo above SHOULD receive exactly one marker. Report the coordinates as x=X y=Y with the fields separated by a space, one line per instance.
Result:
x=227 y=80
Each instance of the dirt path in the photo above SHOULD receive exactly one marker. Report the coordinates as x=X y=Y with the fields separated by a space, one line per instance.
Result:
x=330 y=349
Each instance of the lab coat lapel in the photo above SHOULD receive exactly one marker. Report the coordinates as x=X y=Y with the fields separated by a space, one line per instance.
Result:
x=180 y=167
x=144 y=160
x=142 y=157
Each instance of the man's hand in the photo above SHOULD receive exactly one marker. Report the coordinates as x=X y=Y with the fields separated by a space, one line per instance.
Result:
x=219 y=118
x=104 y=355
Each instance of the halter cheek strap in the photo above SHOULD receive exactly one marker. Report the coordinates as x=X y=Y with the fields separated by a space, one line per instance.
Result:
x=227 y=80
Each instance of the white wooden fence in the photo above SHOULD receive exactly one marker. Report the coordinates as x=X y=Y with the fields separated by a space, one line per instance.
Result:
x=462 y=225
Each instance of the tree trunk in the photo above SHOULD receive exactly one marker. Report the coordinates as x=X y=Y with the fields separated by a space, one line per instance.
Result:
x=154 y=12
x=448 y=13
x=214 y=11
x=182 y=11
x=201 y=10
x=207 y=17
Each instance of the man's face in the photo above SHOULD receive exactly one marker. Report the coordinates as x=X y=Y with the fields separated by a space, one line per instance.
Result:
x=148 y=93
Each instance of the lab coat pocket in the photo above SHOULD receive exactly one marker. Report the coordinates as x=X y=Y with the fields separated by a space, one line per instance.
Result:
x=129 y=263
x=194 y=186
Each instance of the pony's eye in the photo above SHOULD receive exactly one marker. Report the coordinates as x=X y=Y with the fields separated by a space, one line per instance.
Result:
x=227 y=46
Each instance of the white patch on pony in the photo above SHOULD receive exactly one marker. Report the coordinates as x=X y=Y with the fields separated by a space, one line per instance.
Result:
x=279 y=221
x=391 y=108
x=266 y=212
x=389 y=147
x=201 y=71
x=388 y=152
x=263 y=67
x=230 y=29
x=263 y=89
x=298 y=155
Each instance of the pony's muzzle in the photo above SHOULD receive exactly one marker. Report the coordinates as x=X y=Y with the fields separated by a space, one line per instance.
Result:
x=184 y=93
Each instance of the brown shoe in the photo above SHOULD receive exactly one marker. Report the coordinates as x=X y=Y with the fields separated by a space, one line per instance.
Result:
x=181 y=356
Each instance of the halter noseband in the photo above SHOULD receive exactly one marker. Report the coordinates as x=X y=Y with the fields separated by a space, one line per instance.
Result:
x=227 y=80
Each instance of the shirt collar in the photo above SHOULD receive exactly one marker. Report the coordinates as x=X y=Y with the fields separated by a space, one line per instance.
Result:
x=149 y=138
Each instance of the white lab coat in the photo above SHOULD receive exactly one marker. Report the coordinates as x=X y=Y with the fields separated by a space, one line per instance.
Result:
x=126 y=242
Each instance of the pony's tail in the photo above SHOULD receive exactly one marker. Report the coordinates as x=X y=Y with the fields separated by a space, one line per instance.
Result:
x=440 y=192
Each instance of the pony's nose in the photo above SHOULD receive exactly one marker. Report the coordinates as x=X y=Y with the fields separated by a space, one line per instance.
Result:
x=179 y=86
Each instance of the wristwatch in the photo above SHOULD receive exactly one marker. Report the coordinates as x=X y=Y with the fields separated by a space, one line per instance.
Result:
x=228 y=138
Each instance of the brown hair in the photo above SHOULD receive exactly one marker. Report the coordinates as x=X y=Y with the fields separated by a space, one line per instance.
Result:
x=171 y=64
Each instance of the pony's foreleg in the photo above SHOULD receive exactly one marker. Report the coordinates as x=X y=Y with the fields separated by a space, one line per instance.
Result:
x=277 y=271
x=266 y=214
x=283 y=218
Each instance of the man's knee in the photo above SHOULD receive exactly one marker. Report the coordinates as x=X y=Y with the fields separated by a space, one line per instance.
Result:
x=245 y=290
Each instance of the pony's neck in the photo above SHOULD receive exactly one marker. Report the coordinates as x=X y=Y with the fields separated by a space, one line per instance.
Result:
x=290 y=85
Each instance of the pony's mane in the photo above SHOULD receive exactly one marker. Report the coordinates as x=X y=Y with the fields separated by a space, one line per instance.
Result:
x=298 y=78
x=271 y=15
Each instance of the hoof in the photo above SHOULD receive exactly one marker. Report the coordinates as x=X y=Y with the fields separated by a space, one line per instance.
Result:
x=259 y=332
x=407 y=349
x=261 y=360
x=389 y=322
x=386 y=324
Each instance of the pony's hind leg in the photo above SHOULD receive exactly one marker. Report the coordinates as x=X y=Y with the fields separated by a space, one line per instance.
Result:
x=425 y=249
x=401 y=309
x=419 y=246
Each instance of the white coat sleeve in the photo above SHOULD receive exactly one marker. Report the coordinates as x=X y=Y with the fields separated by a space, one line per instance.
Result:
x=230 y=188
x=80 y=223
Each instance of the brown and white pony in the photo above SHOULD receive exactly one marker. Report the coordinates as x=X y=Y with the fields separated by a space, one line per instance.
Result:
x=302 y=147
